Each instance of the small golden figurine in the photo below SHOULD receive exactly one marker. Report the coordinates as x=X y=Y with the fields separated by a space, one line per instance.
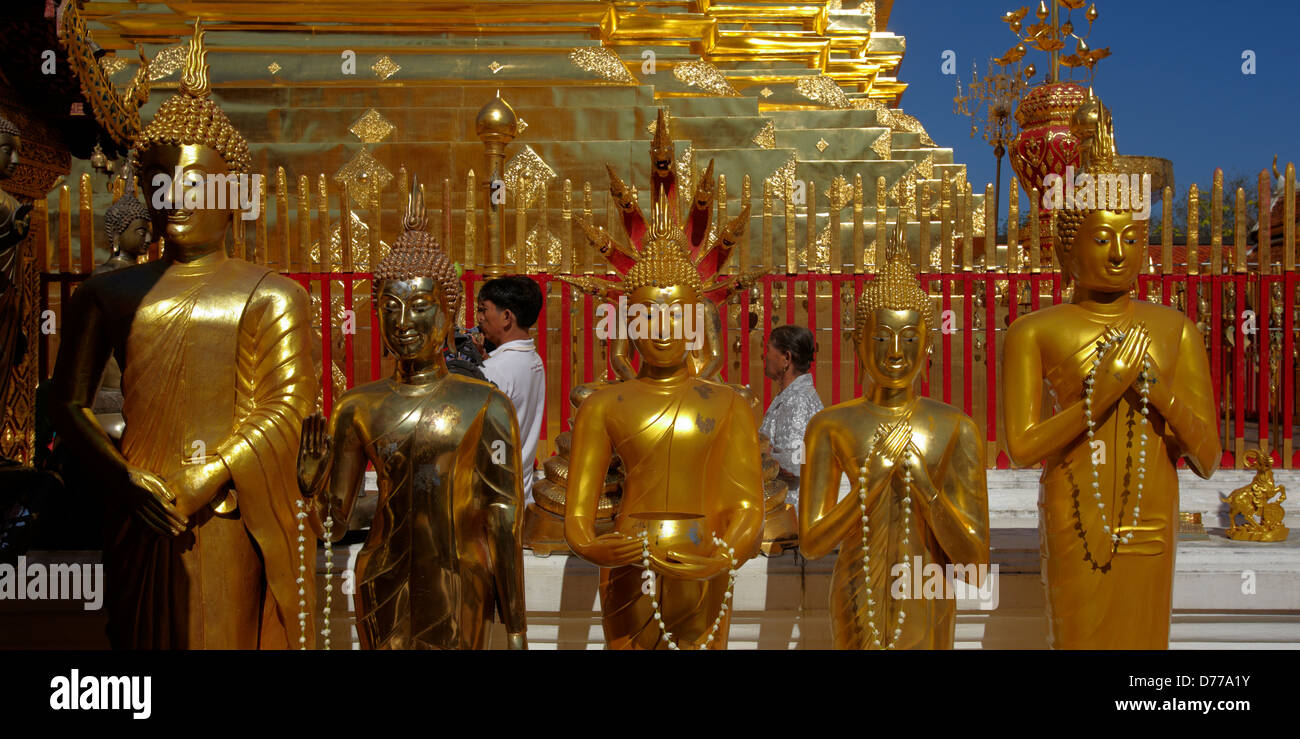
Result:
x=217 y=374
x=692 y=504
x=1261 y=518
x=444 y=551
x=918 y=508
x=1130 y=386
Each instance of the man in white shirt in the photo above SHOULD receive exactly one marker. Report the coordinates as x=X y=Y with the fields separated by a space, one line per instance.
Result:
x=507 y=308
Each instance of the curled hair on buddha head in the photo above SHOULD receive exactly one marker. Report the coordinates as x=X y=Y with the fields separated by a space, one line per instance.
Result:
x=796 y=341
x=417 y=254
x=191 y=118
x=7 y=127
x=896 y=287
x=123 y=211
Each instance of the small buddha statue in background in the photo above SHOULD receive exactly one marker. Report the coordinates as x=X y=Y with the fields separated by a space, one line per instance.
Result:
x=1131 y=391
x=15 y=220
x=15 y=217
x=692 y=503
x=128 y=227
x=445 y=546
x=203 y=547
x=129 y=231
x=918 y=501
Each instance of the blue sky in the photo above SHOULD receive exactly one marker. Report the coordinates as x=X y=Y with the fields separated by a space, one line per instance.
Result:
x=1174 y=79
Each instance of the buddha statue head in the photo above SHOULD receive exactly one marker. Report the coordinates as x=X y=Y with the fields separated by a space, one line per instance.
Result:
x=666 y=283
x=11 y=145
x=416 y=292
x=191 y=138
x=1102 y=250
x=893 y=320
x=127 y=223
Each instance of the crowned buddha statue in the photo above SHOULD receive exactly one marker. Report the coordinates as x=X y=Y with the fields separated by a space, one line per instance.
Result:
x=444 y=552
x=917 y=503
x=1130 y=393
x=202 y=541
x=129 y=231
x=692 y=505
x=707 y=253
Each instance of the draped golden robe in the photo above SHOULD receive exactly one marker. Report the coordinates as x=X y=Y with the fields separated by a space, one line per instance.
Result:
x=687 y=447
x=447 y=459
x=1097 y=599
x=217 y=362
x=838 y=439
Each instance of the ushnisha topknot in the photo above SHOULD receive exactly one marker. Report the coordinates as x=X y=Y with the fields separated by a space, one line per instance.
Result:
x=7 y=126
x=1093 y=125
x=191 y=118
x=666 y=260
x=896 y=287
x=417 y=254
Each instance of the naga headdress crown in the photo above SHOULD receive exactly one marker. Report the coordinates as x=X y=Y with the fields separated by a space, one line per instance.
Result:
x=416 y=254
x=669 y=252
x=896 y=286
x=190 y=117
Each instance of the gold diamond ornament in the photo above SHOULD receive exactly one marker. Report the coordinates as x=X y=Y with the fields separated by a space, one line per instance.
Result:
x=822 y=144
x=371 y=127
x=529 y=171
x=364 y=175
x=384 y=67
x=274 y=68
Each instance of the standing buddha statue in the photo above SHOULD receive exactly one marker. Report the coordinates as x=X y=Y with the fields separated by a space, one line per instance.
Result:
x=918 y=501
x=1131 y=391
x=127 y=226
x=444 y=550
x=217 y=374
x=692 y=503
x=15 y=220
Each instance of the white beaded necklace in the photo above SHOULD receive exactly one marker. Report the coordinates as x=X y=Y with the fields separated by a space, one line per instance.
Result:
x=302 y=575
x=648 y=587
x=1145 y=392
x=866 y=547
x=303 y=614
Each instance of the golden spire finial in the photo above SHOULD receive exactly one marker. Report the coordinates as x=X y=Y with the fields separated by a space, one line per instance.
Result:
x=417 y=216
x=194 y=76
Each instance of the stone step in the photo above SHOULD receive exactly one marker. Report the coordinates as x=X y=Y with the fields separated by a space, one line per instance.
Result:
x=441 y=124
x=820 y=119
x=718 y=132
x=841 y=143
x=474 y=97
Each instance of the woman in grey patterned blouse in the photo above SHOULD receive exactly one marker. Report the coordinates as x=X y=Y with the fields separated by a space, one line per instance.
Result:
x=787 y=362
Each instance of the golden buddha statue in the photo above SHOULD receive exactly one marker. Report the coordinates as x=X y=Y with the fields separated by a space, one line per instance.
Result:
x=127 y=226
x=217 y=375
x=692 y=504
x=15 y=219
x=918 y=503
x=444 y=550
x=1131 y=391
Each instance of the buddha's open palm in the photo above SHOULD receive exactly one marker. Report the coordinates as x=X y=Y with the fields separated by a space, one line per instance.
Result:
x=313 y=454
